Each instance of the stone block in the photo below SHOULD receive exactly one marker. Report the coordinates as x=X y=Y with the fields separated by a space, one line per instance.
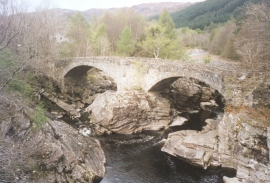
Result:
x=242 y=172
x=230 y=180
x=199 y=154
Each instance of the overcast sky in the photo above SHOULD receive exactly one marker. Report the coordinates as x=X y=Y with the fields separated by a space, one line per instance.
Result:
x=104 y=4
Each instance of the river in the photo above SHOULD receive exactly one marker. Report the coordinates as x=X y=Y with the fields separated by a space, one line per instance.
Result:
x=137 y=158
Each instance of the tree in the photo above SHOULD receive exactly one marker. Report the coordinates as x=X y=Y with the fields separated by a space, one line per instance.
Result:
x=78 y=35
x=116 y=21
x=26 y=39
x=189 y=37
x=222 y=40
x=253 y=39
x=165 y=20
x=37 y=35
x=100 y=44
x=125 y=45
x=161 y=39
x=156 y=41
x=8 y=34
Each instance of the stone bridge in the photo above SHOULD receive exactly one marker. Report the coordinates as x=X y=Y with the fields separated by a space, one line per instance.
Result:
x=145 y=73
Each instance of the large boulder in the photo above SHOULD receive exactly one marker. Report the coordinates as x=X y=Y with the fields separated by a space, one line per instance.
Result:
x=191 y=146
x=130 y=112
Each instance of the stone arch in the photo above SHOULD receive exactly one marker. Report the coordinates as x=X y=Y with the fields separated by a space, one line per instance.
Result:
x=165 y=83
x=85 y=66
x=163 y=86
x=164 y=79
x=78 y=72
x=190 y=94
x=86 y=78
x=79 y=68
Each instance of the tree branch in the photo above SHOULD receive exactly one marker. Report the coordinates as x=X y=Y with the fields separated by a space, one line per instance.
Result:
x=11 y=77
x=9 y=41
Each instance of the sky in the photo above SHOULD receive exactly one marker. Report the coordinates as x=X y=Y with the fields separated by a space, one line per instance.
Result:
x=103 y=4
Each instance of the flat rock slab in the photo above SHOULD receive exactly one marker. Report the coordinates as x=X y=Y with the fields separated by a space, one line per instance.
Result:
x=191 y=146
x=230 y=180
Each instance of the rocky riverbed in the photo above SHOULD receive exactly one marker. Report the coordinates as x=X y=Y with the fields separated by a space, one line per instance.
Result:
x=65 y=149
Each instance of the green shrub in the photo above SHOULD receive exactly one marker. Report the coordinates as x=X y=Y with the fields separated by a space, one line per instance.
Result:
x=39 y=118
x=21 y=87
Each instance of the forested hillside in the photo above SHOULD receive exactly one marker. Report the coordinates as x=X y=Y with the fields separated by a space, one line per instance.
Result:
x=202 y=14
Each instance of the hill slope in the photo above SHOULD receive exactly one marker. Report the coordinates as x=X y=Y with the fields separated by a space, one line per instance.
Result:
x=203 y=13
x=147 y=9
x=151 y=9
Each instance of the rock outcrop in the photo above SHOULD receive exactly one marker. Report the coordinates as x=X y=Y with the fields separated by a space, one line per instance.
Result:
x=238 y=141
x=243 y=146
x=130 y=112
x=188 y=93
x=197 y=148
x=55 y=153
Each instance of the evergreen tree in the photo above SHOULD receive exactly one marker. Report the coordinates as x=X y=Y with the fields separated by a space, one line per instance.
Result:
x=125 y=44
x=202 y=14
x=165 y=20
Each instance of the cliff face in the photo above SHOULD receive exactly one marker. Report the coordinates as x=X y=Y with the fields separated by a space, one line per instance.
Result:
x=55 y=153
x=243 y=146
x=236 y=141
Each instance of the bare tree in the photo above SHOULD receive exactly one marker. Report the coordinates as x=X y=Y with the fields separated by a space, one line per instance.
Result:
x=251 y=51
x=9 y=31
x=24 y=38
x=116 y=21
x=253 y=40
x=21 y=34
